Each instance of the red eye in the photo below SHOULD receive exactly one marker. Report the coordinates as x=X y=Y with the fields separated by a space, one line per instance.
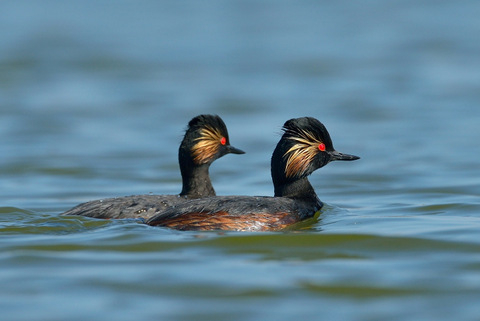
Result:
x=321 y=147
x=223 y=141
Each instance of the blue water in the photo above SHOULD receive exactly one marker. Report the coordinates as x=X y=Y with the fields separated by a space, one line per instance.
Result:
x=94 y=100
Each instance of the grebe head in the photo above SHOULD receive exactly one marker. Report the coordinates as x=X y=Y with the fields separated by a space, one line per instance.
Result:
x=206 y=140
x=304 y=147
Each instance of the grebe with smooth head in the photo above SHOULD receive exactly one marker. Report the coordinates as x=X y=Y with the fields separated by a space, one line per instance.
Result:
x=304 y=147
x=206 y=139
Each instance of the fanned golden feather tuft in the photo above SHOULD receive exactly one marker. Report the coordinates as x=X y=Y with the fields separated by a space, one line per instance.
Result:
x=207 y=144
x=301 y=154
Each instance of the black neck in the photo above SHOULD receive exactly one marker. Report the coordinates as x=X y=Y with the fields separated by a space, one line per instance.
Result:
x=300 y=189
x=196 y=181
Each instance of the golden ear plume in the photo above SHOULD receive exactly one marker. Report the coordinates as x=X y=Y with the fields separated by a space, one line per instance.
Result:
x=301 y=154
x=207 y=144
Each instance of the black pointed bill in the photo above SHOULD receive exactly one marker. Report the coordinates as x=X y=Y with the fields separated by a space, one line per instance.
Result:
x=340 y=156
x=233 y=150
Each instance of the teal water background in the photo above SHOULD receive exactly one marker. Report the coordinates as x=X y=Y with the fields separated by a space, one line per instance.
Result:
x=94 y=100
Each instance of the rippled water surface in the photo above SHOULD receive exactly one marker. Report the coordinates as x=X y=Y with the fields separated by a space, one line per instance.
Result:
x=94 y=100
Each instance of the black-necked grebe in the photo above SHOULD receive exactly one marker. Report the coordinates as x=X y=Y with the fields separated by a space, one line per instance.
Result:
x=205 y=140
x=304 y=147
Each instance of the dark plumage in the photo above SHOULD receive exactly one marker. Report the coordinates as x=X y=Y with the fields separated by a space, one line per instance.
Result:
x=304 y=147
x=205 y=140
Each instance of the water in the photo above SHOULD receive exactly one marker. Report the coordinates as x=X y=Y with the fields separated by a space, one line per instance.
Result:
x=95 y=97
